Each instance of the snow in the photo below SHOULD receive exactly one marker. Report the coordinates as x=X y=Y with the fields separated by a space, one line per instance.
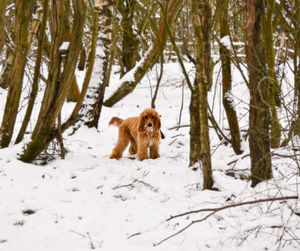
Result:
x=64 y=46
x=89 y=201
x=129 y=76
x=225 y=41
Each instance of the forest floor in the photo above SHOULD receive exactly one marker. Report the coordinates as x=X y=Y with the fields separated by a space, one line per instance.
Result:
x=88 y=201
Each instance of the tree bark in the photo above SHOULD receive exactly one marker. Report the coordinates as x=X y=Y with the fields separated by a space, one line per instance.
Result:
x=103 y=57
x=73 y=95
x=82 y=107
x=274 y=95
x=195 y=142
x=202 y=29
x=16 y=76
x=129 y=38
x=297 y=65
x=292 y=25
x=38 y=61
x=150 y=58
x=259 y=118
x=2 y=22
x=226 y=81
x=5 y=80
x=57 y=88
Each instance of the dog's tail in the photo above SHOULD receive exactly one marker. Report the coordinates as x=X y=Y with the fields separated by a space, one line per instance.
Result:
x=115 y=121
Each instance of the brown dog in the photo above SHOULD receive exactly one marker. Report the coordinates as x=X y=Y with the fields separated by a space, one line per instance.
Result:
x=142 y=132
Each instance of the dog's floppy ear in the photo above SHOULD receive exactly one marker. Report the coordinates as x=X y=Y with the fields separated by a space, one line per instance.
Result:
x=157 y=123
x=141 y=124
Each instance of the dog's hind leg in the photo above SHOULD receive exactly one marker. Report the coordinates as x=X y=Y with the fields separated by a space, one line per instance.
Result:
x=132 y=147
x=122 y=143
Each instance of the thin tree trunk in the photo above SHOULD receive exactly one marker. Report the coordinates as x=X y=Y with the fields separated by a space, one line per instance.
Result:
x=195 y=142
x=161 y=71
x=6 y=71
x=73 y=95
x=55 y=97
x=129 y=38
x=2 y=23
x=82 y=60
x=226 y=81
x=150 y=58
x=82 y=107
x=36 y=73
x=102 y=74
x=202 y=29
x=274 y=96
x=294 y=31
x=5 y=80
x=259 y=118
x=297 y=65
x=56 y=25
x=16 y=77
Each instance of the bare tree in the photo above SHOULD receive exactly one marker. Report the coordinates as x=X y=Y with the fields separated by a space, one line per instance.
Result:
x=201 y=11
x=22 y=20
x=226 y=79
x=130 y=42
x=259 y=118
x=103 y=56
x=274 y=95
x=151 y=56
x=58 y=86
x=34 y=90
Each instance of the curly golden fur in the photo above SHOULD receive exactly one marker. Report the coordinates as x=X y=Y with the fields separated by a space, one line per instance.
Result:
x=142 y=132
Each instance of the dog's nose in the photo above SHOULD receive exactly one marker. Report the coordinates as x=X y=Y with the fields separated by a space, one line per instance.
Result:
x=149 y=124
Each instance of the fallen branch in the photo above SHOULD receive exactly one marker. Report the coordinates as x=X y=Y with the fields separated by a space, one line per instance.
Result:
x=215 y=210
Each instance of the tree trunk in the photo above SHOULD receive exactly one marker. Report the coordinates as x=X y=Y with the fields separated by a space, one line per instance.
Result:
x=101 y=78
x=293 y=31
x=149 y=59
x=129 y=38
x=82 y=107
x=5 y=80
x=226 y=81
x=16 y=76
x=259 y=118
x=274 y=96
x=202 y=29
x=36 y=73
x=73 y=95
x=57 y=88
x=2 y=22
x=195 y=142
x=82 y=60
x=297 y=65
x=6 y=71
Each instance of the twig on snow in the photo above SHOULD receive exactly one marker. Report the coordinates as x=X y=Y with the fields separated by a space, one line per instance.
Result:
x=215 y=210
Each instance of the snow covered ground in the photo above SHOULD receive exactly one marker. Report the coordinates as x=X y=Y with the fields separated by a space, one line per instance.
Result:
x=89 y=201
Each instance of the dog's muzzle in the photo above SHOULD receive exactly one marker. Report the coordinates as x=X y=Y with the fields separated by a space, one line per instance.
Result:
x=149 y=127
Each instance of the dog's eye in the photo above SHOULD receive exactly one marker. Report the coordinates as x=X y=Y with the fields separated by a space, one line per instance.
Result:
x=146 y=117
x=152 y=117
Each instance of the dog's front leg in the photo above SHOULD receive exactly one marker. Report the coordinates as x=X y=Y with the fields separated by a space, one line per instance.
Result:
x=142 y=153
x=154 y=151
x=142 y=148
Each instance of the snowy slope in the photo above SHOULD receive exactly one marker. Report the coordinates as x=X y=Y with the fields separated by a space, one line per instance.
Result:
x=88 y=201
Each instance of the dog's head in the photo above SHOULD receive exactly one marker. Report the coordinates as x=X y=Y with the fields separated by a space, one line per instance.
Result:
x=149 y=121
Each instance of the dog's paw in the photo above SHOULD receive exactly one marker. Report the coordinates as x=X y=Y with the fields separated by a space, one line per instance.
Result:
x=154 y=156
x=114 y=156
x=142 y=157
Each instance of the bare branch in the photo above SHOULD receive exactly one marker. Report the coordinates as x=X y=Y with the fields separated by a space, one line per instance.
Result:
x=215 y=210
